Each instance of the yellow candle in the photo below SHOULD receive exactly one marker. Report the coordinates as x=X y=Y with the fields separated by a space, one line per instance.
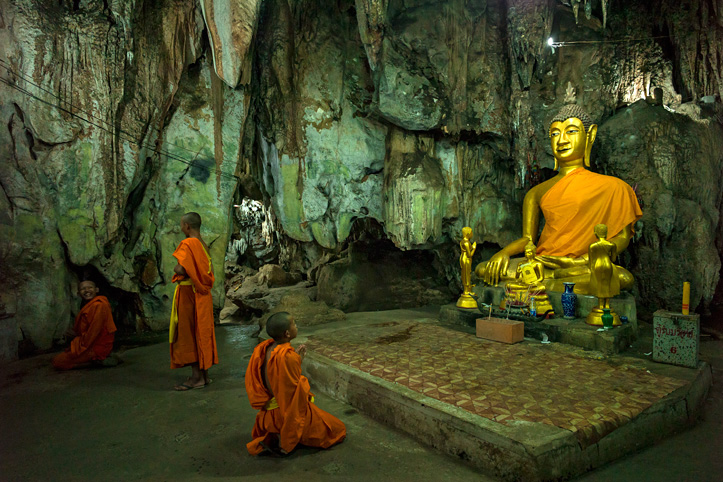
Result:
x=686 y=298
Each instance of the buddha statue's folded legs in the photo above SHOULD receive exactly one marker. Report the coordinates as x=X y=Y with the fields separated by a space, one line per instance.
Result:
x=555 y=277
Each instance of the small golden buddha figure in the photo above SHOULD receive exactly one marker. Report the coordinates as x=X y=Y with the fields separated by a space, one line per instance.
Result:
x=465 y=262
x=528 y=287
x=604 y=279
x=572 y=203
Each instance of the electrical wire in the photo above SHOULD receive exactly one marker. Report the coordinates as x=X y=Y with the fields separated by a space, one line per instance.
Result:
x=74 y=110
x=614 y=41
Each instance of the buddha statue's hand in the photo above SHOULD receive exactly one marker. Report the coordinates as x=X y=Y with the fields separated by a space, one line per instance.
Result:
x=561 y=262
x=494 y=268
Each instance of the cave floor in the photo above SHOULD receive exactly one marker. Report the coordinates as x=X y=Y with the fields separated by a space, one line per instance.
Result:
x=125 y=423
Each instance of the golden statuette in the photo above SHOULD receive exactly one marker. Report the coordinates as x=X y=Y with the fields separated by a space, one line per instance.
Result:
x=572 y=203
x=465 y=262
x=528 y=289
x=604 y=278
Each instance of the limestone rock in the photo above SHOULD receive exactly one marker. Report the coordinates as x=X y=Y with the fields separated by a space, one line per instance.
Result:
x=368 y=281
x=413 y=186
x=321 y=153
x=273 y=276
x=261 y=292
x=305 y=311
x=674 y=163
x=231 y=313
x=431 y=73
x=406 y=99
x=411 y=118
x=84 y=187
x=231 y=26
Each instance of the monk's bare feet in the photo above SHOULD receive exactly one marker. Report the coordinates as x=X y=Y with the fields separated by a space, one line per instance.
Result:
x=206 y=379
x=190 y=384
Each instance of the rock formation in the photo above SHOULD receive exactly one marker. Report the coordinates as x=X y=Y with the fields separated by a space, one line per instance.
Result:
x=417 y=117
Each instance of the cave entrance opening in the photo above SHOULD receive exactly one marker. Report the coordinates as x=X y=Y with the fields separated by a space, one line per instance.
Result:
x=252 y=242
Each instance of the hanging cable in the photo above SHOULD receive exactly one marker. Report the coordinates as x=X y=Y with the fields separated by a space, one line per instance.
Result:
x=73 y=112
x=554 y=44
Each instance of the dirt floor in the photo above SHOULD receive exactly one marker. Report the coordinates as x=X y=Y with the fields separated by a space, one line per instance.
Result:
x=125 y=423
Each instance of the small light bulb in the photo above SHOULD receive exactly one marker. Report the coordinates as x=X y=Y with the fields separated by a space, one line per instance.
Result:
x=550 y=41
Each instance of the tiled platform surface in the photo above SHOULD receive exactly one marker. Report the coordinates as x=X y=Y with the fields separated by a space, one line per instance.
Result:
x=523 y=412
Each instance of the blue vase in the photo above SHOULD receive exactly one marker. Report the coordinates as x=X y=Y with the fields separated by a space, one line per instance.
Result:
x=569 y=301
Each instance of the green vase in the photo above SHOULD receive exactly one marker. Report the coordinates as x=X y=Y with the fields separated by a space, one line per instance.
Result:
x=607 y=319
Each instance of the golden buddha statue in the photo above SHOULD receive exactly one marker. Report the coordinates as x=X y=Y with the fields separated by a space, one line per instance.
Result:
x=465 y=262
x=604 y=279
x=572 y=203
x=528 y=287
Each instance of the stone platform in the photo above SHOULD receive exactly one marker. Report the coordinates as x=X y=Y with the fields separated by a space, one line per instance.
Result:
x=623 y=304
x=521 y=412
x=572 y=332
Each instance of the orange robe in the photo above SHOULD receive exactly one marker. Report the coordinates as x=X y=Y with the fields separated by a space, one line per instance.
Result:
x=576 y=204
x=296 y=419
x=95 y=330
x=195 y=339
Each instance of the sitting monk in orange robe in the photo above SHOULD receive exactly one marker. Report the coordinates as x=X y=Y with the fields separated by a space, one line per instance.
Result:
x=94 y=330
x=191 y=334
x=275 y=386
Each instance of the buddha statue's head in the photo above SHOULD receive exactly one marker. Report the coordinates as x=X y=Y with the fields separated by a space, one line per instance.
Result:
x=572 y=135
x=466 y=232
x=530 y=250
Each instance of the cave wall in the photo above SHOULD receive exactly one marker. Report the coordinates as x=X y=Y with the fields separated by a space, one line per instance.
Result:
x=118 y=129
x=422 y=115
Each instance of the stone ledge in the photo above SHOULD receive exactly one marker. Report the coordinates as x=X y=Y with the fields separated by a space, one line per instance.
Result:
x=524 y=451
x=572 y=332
x=623 y=304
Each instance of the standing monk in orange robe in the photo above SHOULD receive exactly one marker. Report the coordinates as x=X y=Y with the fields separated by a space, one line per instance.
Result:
x=94 y=330
x=275 y=386
x=191 y=334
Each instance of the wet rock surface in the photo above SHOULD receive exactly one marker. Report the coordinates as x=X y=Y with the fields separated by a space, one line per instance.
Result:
x=675 y=165
x=417 y=117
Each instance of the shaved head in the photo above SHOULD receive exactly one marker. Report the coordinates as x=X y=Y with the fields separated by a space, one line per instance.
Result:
x=277 y=324
x=192 y=219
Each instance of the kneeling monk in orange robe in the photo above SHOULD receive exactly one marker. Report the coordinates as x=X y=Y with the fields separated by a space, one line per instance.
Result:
x=274 y=384
x=94 y=330
x=191 y=334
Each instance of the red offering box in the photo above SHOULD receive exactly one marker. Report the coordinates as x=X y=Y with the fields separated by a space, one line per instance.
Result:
x=499 y=329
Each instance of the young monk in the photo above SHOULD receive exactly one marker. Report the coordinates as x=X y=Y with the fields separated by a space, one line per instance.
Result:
x=275 y=386
x=191 y=334
x=93 y=329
